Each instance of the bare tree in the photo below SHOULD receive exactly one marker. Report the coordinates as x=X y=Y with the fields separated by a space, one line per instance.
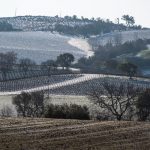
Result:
x=116 y=98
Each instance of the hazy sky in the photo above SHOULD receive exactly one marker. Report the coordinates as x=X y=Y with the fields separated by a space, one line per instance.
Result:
x=110 y=9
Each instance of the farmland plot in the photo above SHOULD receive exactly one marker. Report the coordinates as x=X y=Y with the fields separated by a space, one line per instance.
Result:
x=53 y=134
x=76 y=84
x=83 y=88
x=28 y=83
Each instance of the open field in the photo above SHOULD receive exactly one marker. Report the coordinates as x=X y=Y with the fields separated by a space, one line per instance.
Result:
x=41 y=46
x=52 y=134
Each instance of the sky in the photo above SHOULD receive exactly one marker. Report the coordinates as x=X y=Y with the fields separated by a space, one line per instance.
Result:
x=105 y=9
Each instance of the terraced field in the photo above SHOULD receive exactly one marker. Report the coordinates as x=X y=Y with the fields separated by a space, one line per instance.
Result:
x=51 y=134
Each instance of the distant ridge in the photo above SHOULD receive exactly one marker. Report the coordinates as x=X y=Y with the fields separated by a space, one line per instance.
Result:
x=66 y=25
x=38 y=23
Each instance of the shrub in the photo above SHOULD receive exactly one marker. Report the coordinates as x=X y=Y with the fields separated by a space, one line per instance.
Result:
x=65 y=111
x=143 y=105
x=29 y=104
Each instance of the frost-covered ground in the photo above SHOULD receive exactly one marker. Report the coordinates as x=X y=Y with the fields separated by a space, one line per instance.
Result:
x=6 y=101
x=40 y=46
x=120 y=37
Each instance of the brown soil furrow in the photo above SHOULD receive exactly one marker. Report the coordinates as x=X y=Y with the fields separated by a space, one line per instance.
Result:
x=51 y=134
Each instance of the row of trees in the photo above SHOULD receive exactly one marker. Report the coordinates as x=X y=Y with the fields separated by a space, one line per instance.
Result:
x=129 y=20
x=95 y=26
x=9 y=62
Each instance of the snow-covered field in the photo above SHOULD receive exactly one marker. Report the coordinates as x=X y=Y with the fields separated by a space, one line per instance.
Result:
x=41 y=46
x=77 y=82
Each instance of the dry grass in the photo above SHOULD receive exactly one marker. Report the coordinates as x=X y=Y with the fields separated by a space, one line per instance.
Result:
x=52 y=134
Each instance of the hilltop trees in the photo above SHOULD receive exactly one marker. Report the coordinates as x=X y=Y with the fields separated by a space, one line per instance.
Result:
x=90 y=27
x=65 y=60
x=129 y=20
x=87 y=27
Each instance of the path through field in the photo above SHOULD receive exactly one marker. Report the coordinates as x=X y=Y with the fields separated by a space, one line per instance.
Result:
x=74 y=81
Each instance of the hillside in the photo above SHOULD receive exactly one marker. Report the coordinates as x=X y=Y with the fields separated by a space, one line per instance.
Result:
x=41 y=46
x=51 y=134
x=119 y=37
x=38 y=23
x=70 y=25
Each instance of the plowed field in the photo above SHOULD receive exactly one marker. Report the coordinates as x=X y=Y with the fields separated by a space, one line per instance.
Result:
x=52 y=134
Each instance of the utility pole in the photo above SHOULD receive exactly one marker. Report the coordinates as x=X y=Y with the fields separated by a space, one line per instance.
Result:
x=118 y=21
x=16 y=12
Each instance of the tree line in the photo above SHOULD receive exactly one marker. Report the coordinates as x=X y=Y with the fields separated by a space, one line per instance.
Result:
x=10 y=63
x=96 y=26
x=118 y=58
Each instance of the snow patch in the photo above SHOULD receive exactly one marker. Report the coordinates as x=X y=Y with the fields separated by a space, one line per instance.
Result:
x=82 y=44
